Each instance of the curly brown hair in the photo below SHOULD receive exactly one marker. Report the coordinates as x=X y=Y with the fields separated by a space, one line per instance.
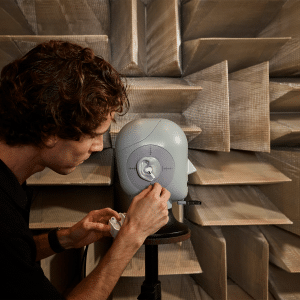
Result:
x=57 y=88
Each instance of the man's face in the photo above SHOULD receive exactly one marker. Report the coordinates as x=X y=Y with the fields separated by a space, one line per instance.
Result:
x=66 y=155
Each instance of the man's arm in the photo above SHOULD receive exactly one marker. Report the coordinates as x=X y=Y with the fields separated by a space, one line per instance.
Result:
x=148 y=212
x=90 y=229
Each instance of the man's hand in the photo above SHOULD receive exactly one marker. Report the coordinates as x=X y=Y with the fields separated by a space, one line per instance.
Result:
x=90 y=229
x=148 y=211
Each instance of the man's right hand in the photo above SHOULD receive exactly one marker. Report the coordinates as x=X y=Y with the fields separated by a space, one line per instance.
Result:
x=148 y=211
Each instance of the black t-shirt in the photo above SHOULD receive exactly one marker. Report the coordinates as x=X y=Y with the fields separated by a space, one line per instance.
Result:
x=20 y=276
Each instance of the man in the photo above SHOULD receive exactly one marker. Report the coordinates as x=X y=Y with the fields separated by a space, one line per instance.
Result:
x=56 y=103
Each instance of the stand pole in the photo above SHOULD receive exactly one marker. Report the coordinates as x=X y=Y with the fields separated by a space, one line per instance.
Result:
x=151 y=288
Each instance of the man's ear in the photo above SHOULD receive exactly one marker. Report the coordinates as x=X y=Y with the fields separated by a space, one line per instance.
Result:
x=50 y=141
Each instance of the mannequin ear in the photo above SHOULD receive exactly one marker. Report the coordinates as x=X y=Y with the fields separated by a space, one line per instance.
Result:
x=50 y=141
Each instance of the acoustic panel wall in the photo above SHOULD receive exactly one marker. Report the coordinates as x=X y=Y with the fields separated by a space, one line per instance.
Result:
x=229 y=18
x=249 y=111
x=128 y=43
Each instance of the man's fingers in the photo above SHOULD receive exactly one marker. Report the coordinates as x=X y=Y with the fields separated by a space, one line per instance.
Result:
x=165 y=193
x=144 y=193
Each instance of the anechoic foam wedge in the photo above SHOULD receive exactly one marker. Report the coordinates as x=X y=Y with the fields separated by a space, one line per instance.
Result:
x=248 y=259
x=128 y=37
x=189 y=128
x=210 y=248
x=176 y=258
x=285 y=129
x=284 y=248
x=283 y=285
x=67 y=17
x=240 y=53
x=163 y=38
x=286 y=196
x=16 y=46
x=286 y=62
x=233 y=168
x=285 y=94
x=233 y=18
x=211 y=110
x=232 y=205
x=64 y=206
x=249 y=112
x=12 y=20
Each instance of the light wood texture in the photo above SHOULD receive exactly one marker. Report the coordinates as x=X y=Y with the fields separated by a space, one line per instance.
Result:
x=240 y=53
x=285 y=95
x=163 y=38
x=232 y=205
x=161 y=95
x=235 y=167
x=14 y=47
x=97 y=170
x=284 y=248
x=284 y=285
x=286 y=196
x=248 y=259
x=66 y=17
x=285 y=129
x=211 y=110
x=176 y=258
x=234 y=292
x=191 y=130
x=286 y=61
x=63 y=206
x=12 y=20
x=210 y=248
x=233 y=18
x=173 y=287
x=128 y=37
x=249 y=108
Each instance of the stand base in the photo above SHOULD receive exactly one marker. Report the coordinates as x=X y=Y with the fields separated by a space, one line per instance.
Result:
x=172 y=232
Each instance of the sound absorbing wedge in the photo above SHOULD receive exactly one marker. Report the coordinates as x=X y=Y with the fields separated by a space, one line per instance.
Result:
x=286 y=61
x=249 y=111
x=163 y=38
x=56 y=17
x=241 y=53
x=248 y=259
x=12 y=20
x=97 y=170
x=285 y=129
x=233 y=168
x=284 y=285
x=284 y=248
x=285 y=95
x=232 y=205
x=232 y=19
x=286 y=196
x=128 y=37
x=211 y=110
x=64 y=206
x=13 y=47
x=210 y=248
x=176 y=258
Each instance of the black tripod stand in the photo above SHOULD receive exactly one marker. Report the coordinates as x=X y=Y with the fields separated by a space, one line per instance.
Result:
x=172 y=232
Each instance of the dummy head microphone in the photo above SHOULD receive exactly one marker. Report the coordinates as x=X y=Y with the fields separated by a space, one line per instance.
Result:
x=153 y=150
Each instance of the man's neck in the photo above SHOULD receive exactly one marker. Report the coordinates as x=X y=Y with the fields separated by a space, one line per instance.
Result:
x=23 y=161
